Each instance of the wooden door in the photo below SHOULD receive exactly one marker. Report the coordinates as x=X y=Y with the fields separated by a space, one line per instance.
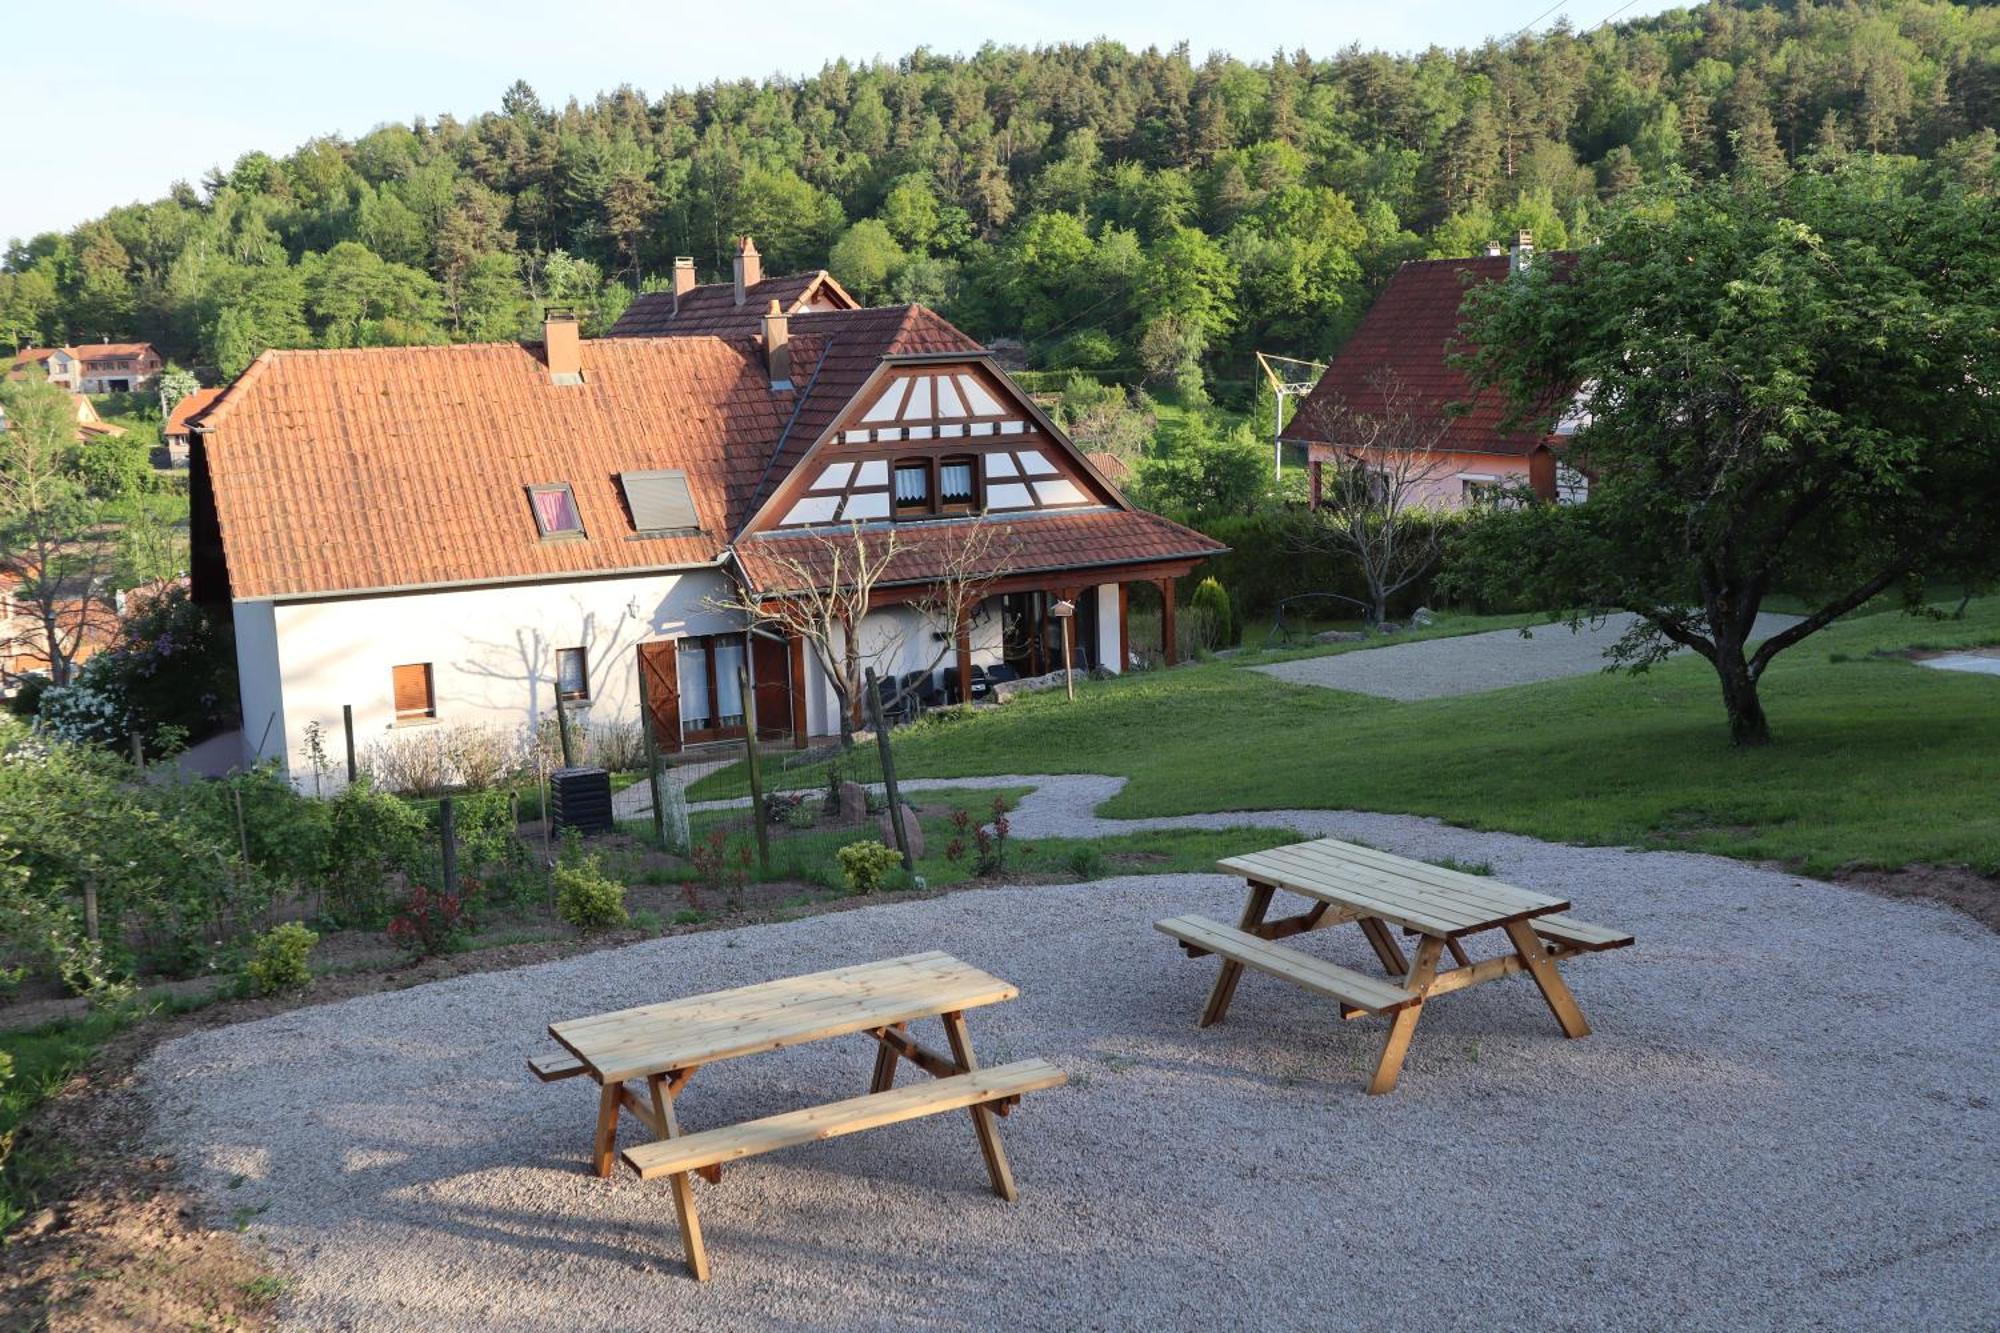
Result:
x=771 y=670
x=660 y=678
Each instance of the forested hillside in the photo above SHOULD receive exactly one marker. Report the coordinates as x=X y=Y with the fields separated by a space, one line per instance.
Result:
x=1114 y=209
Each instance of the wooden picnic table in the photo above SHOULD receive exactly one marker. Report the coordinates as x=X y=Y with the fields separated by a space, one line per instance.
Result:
x=1345 y=882
x=664 y=1044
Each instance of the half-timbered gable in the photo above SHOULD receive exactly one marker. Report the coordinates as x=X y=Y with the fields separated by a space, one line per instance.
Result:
x=932 y=437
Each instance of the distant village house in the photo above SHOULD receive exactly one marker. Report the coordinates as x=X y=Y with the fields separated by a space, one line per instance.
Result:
x=1400 y=361
x=94 y=367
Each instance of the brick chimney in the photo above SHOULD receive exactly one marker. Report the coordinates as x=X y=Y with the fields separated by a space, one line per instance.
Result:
x=778 y=346
x=562 y=345
x=1524 y=252
x=749 y=269
x=683 y=278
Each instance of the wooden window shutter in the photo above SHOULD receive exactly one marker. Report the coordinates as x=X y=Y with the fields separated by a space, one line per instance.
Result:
x=413 y=691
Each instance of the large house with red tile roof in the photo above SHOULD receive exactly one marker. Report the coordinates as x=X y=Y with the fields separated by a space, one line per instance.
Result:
x=1399 y=364
x=436 y=535
x=93 y=367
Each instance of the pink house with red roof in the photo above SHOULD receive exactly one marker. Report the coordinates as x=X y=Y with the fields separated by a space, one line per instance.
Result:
x=1401 y=360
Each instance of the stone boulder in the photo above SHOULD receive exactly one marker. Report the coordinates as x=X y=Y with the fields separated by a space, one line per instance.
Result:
x=1423 y=615
x=1008 y=689
x=853 y=803
x=911 y=829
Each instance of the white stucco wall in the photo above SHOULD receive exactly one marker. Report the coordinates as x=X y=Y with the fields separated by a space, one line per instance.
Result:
x=492 y=653
x=257 y=669
x=1107 y=628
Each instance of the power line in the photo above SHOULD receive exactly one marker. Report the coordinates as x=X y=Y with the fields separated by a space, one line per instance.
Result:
x=1613 y=14
x=1536 y=19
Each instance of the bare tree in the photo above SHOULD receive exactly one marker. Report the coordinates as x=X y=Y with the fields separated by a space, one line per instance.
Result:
x=821 y=594
x=1373 y=507
x=57 y=554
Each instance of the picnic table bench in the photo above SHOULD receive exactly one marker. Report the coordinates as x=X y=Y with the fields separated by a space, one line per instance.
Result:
x=1345 y=882
x=664 y=1044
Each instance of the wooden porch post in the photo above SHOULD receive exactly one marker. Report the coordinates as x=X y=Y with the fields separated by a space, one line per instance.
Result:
x=1124 y=628
x=1168 y=637
x=964 y=645
x=798 y=656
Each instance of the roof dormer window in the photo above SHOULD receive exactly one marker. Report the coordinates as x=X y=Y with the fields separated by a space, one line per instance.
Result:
x=555 y=511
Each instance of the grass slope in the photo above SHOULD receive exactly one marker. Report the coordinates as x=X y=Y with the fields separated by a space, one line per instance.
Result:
x=1878 y=761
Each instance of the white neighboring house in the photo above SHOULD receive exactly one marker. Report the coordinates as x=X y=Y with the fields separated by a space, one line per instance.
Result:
x=435 y=536
x=94 y=367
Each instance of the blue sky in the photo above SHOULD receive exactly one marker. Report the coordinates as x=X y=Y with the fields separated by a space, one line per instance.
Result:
x=161 y=90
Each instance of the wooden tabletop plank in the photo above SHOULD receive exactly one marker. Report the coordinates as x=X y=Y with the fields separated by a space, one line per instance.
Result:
x=1398 y=912
x=1427 y=898
x=1430 y=908
x=701 y=1029
x=1494 y=899
x=1484 y=886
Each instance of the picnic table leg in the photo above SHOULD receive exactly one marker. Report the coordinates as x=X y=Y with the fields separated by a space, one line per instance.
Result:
x=1386 y=947
x=885 y=1063
x=604 y=1145
x=1403 y=1023
x=1232 y=971
x=1561 y=1003
x=682 y=1183
x=982 y=1117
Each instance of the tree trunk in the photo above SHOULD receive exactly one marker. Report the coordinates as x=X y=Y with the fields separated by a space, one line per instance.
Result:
x=1747 y=723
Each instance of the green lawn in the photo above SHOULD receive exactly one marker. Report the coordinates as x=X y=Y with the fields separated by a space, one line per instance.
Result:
x=1877 y=762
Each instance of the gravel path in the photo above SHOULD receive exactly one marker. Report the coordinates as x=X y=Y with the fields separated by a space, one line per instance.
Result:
x=1769 y=1128
x=1470 y=663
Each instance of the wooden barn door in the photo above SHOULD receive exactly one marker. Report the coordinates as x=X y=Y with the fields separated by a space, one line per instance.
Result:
x=659 y=669
x=771 y=669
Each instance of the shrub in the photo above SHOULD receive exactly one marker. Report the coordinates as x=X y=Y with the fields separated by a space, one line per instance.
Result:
x=432 y=922
x=429 y=761
x=992 y=858
x=586 y=897
x=617 y=746
x=1086 y=863
x=716 y=867
x=866 y=865
x=278 y=960
x=1211 y=601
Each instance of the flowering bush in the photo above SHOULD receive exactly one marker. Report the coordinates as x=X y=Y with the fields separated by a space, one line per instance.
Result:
x=172 y=673
x=716 y=867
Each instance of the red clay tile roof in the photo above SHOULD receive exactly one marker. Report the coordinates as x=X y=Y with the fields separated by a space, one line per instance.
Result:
x=1410 y=333
x=394 y=467
x=409 y=466
x=29 y=356
x=712 y=308
x=104 y=351
x=1028 y=543
x=187 y=409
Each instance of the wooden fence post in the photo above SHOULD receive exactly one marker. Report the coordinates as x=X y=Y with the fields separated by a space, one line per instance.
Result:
x=652 y=754
x=756 y=774
x=448 y=840
x=347 y=725
x=890 y=790
x=562 y=728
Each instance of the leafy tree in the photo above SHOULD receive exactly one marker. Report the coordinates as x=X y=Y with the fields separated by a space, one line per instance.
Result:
x=1792 y=389
x=866 y=258
x=55 y=549
x=1203 y=474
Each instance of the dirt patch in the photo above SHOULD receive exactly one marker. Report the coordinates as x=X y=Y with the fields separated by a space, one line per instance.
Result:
x=1976 y=895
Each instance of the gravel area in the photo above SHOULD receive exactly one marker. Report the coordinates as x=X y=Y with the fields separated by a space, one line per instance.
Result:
x=1470 y=663
x=1774 y=1125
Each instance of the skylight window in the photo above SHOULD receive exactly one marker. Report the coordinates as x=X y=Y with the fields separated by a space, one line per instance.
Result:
x=555 y=510
x=659 y=501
